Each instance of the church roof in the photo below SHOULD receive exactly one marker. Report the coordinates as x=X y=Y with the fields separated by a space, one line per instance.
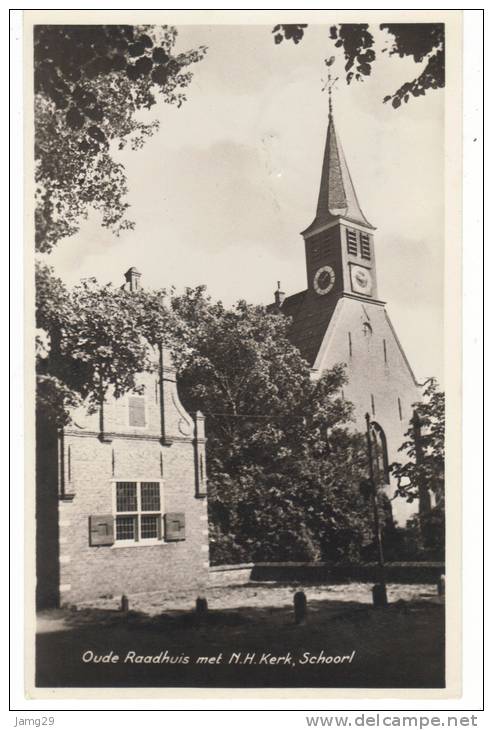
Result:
x=309 y=321
x=337 y=197
x=311 y=314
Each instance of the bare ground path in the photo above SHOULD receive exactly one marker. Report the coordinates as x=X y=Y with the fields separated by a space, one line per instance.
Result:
x=248 y=639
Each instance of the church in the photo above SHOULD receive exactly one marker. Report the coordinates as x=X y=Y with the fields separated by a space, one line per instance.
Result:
x=339 y=317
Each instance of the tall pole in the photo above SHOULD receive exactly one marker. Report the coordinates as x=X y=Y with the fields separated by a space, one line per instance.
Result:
x=376 y=516
x=161 y=394
x=424 y=500
x=423 y=493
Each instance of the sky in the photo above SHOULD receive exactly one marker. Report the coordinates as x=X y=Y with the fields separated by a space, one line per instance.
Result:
x=220 y=193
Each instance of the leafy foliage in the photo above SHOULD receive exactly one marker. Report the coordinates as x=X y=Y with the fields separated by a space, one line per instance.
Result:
x=357 y=43
x=426 y=470
x=93 y=344
x=284 y=468
x=293 y=32
x=431 y=470
x=422 y=41
x=243 y=373
x=90 y=82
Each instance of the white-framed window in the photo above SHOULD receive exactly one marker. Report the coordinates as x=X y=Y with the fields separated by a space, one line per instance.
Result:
x=139 y=510
x=137 y=412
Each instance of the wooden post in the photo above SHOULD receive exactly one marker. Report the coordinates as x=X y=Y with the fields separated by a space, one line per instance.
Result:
x=379 y=592
x=201 y=607
x=300 y=608
x=124 y=604
x=441 y=586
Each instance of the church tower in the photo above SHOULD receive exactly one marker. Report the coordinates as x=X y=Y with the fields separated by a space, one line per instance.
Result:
x=339 y=317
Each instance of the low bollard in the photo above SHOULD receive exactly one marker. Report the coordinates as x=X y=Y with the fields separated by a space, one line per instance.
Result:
x=124 y=604
x=379 y=592
x=201 y=607
x=300 y=610
x=441 y=586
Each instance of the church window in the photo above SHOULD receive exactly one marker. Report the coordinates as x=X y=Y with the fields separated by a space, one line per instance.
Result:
x=367 y=330
x=139 y=515
x=385 y=352
x=372 y=405
x=365 y=246
x=137 y=411
x=350 y=344
x=352 y=245
x=399 y=405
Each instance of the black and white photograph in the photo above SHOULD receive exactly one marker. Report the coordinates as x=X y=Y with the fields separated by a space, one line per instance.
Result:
x=244 y=400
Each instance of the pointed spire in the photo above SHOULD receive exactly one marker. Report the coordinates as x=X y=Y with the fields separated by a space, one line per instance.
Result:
x=337 y=197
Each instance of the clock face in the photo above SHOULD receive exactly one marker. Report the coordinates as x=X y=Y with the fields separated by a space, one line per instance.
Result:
x=324 y=279
x=361 y=281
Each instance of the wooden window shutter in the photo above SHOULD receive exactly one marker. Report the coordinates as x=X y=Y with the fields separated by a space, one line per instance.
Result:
x=365 y=246
x=101 y=530
x=352 y=245
x=137 y=411
x=174 y=526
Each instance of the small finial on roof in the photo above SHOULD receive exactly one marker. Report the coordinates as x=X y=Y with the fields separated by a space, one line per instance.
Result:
x=132 y=277
x=279 y=296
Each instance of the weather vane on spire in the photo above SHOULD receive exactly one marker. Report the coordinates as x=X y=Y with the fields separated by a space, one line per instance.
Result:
x=330 y=82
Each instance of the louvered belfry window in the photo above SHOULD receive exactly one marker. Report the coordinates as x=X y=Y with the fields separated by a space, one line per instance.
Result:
x=352 y=243
x=138 y=511
x=136 y=411
x=365 y=246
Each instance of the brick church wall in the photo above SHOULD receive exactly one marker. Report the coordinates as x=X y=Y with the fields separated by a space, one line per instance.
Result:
x=380 y=381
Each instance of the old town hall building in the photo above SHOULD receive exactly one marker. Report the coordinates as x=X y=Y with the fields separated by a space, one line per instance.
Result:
x=339 y=317
x=123 y=509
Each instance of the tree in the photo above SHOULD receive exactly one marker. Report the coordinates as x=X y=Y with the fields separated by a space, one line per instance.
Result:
x=284 y=468
x=424 y=471
x=241 y=370
x=90 y=83
x=422 y=41
x=92 y=343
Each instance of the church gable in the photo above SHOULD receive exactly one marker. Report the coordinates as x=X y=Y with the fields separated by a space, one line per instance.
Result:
x=339 y=319
x=361 y=335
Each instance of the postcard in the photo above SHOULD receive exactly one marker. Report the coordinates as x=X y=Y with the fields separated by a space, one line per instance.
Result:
x=242 y=264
